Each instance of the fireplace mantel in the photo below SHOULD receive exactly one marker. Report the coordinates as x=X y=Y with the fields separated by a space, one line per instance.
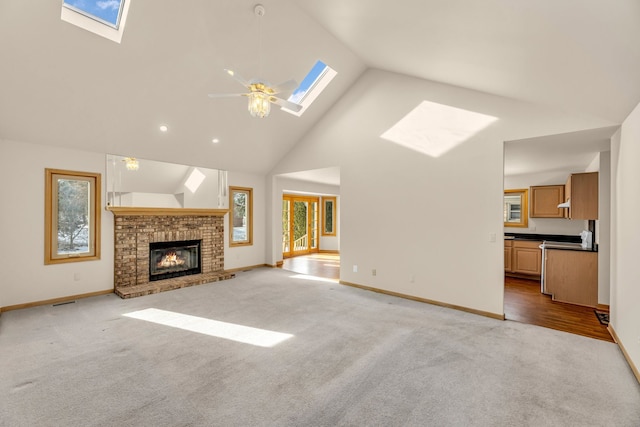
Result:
x=131 y=210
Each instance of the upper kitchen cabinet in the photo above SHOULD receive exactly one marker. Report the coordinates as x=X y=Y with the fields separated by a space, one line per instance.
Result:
x=581 y=193
x=544 y=201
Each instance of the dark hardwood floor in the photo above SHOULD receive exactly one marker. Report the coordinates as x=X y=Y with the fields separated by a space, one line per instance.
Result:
x=523 y=301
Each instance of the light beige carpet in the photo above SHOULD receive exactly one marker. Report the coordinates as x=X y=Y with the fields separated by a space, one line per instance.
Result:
x=271 y=348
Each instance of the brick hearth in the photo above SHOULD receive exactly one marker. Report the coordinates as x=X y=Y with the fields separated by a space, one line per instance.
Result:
x=135 y=228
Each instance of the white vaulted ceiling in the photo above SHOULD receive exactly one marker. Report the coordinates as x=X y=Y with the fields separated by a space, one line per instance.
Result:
x=63 y=86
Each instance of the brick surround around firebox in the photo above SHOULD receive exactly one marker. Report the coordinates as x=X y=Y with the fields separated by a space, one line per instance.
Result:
x=135 y=228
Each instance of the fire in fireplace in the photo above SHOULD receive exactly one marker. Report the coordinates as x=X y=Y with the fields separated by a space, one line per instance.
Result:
x=174 y=259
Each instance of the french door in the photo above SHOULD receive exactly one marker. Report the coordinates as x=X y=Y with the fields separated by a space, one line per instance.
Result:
x=300 y=221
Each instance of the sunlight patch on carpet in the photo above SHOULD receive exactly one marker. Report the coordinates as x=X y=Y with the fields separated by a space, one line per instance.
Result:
x=314 y=278
x=214 y=328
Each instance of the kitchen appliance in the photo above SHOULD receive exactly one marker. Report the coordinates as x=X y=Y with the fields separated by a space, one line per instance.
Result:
x=587 y=239
x=550 y=245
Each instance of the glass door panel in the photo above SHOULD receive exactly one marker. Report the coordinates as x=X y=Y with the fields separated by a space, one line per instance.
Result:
x=313 y=226
x=286 y=227
x=300 y=222
x=300 y=226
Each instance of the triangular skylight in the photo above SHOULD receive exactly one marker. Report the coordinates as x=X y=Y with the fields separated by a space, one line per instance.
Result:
x=312 y=85
x=105 y=18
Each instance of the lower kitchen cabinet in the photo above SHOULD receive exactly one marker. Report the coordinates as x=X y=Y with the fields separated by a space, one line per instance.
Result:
x=572 y=276
x=508 y=254
x=523 y=257
x=527 y=257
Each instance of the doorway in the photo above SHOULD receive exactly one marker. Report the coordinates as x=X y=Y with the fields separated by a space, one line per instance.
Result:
x=300 y=225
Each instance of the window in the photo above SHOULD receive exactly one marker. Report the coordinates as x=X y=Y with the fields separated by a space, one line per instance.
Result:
x=106 y=12
x=312 y=85
x=241 y=216
x=515 y=208
x=72 y=216
x=328 y=216
x=105 y=18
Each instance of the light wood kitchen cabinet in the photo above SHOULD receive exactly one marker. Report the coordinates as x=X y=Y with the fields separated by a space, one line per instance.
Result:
x=527 y=257
x=544 y=201
x=582 y=191
x=572 y=276
x=522 y=257
x=508 y=251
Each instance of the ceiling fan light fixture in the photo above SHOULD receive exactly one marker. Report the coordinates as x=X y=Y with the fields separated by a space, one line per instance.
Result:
x=259 y=105
x=131 y=163
x=261 y=94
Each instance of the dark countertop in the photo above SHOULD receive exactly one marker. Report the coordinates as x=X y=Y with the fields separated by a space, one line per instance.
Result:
x=571 y=248
x=550 y=238
x=543 y=237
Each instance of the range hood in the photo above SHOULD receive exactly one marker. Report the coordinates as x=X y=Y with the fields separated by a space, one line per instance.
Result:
x=566 y=204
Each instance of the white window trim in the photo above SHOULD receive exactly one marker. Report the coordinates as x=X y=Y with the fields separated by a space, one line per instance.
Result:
x=103 y=30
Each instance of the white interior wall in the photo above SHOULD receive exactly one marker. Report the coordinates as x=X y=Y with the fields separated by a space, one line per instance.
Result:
x=202 y=196
x=153 y=200
x=430 y=227
x=603 y=228
x=22 y=227
x=252 y=255
x=625 y=199
x=26 y=278
x=295 y=186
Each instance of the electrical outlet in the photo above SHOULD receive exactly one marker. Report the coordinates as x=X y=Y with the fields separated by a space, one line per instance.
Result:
x=492 y=237
x=373 y=272
x=412 y=278
x=355 y=268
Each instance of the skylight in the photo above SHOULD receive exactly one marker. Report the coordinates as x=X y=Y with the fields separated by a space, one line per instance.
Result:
x=312 y=85
x=105 y=18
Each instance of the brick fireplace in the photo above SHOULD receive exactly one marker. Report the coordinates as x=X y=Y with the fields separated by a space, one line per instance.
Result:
x=137 y=228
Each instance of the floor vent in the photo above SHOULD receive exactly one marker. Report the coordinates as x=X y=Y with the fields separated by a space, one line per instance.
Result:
x=64 y=303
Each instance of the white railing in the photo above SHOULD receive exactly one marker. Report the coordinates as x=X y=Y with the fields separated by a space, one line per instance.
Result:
x=301 y=243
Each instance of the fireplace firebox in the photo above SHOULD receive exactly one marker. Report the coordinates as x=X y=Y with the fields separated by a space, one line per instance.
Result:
x=174 y=259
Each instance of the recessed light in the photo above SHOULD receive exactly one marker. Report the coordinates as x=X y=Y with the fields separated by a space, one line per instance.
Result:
x=215 y=140
x=163 y=128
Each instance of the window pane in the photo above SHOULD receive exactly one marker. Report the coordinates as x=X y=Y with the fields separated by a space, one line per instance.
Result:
x=329 y=216
x=73 y=216
x=240 y=217
x=285 y=226
x=328 y=222
x=314 y=225
x=104 y=11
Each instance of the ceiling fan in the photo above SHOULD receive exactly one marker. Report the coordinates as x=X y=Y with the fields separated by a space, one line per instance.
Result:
x=261 y=93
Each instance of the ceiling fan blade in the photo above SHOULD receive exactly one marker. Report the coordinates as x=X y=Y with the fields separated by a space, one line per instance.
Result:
x=238 y=77
x=287 y=86
x=226 y=95
x=286 y=104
